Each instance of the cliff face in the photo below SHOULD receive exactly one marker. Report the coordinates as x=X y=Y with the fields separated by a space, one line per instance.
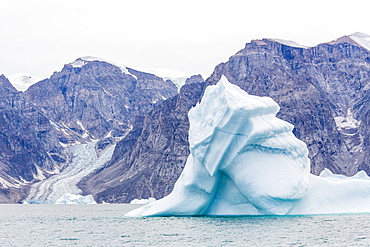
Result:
x=148 y=161
x=29 y=146
x=95 y=98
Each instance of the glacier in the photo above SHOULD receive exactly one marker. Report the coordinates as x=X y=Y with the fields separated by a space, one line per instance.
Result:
x=61 y=186
x=245 y=161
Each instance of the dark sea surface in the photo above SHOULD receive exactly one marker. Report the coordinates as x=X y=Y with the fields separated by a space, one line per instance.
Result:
x=105 y=225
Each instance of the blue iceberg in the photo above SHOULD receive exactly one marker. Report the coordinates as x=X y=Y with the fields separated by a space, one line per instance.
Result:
x=245 y=161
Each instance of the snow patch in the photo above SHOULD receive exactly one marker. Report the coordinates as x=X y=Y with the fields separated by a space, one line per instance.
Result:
x=346 y=122
x=289 y=43
x=22 y=81
x=80 y=62
x=15 y=183
x=362 y=39
x=80 y=124
x=5 y=184
x=63 y=144
x=39 y=175
x=109 y=134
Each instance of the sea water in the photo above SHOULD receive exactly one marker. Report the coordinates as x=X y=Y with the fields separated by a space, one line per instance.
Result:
x=106 y=225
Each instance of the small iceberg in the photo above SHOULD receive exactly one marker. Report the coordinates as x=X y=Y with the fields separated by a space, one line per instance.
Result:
x=143 y=201
x=75 y=199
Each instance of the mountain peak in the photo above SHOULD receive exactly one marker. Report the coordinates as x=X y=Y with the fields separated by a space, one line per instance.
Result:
x=82 y=61
x=357 y=39
x=5 y=85
x=361 y=39
x=360 y=35
x=288 y=43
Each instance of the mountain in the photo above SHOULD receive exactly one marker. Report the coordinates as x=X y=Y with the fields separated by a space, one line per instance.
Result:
x=89 y=100
x=96 y=98
x=29 y=147
x=322 y=91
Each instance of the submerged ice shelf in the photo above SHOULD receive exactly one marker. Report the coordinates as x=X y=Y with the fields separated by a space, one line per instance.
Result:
x=245 y=161
x=84 y=162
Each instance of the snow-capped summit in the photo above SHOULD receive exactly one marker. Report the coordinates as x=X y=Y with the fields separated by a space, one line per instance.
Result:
x=362 y=39
x=358 y=39
x=177 y=77
x=289 y=43
x=22 y=81
x=79 y=62
x=82 y=61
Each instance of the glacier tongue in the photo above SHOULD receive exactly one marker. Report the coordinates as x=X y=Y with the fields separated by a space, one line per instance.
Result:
x=61 y=186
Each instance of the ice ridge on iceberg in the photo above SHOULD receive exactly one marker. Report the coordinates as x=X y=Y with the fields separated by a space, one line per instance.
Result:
x=245 y=161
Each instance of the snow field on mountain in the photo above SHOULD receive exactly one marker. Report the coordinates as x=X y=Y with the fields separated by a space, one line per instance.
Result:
x=22 y=81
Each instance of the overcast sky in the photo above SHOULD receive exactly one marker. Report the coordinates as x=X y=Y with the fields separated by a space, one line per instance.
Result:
x=40 y=36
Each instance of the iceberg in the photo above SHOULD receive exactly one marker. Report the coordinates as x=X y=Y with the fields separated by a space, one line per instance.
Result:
x=143 y=201
x=245 y=161
x=75 y=199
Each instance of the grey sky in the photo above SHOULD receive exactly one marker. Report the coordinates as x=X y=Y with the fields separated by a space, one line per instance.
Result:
x=40 y=36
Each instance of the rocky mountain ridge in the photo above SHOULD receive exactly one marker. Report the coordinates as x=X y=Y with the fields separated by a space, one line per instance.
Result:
x=96 y=99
